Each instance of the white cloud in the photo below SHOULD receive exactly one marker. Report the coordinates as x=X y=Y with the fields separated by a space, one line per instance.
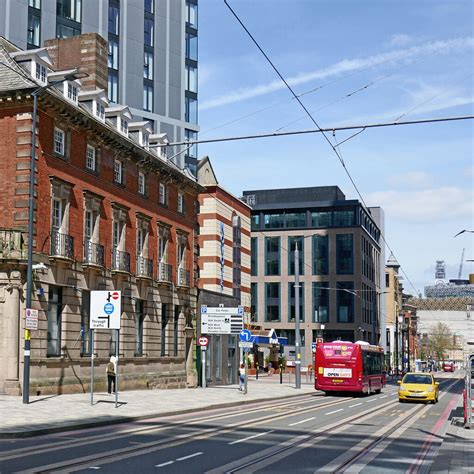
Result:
x=341 y=67
x=429 y=205
x=400 y=39
x=411 y=179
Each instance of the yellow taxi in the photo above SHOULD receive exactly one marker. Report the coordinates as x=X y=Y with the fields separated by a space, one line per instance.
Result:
x=418 y=386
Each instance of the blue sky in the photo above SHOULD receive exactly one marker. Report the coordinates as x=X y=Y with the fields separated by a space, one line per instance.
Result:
x=416 y=59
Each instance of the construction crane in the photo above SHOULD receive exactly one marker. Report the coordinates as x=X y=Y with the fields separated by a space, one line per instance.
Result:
x=460 y=265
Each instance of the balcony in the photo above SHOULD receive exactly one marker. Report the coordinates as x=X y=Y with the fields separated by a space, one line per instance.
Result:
x=62 y=245
x=144 y=267
x=183 y=277
x=120 y=261
x=93 y=254
x=12 y=246
x=165 y=272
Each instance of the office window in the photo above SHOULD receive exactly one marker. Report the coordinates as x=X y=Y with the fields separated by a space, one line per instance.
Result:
x=41 y=74
x=295 y=219
x=141 y=183
x=99 y=110
x=343 y=218
x=321 y=302
x=34 y=4
x=274 y=221
x=253 y=302
x=387 y=280
x=59 y=141
x=254 y=256
x=148 y=65
x=150 y=6
x=148 y=32
x=320 y=254
x=90 y=158
x=321 y=219
x=292 y=241
x=114 y=19
x=191 y=78
x=344 y=254
x=163 y=196
x=113 y=57
x=148 y=98
x=55 y=310
x=139 y=319
x=272 y=255
x=113 y=88
x=181 y=202
x=191 y=46
x=34 y=27
x=291 y=302
x=255 y=222
x=191 y=110
x=191 y=14
x=71 y=92
x=192 y=149
x=69 y=9
x=272 y=302
x=345 y=302
x=85 y=327
x=123 y=126
x=118 y=172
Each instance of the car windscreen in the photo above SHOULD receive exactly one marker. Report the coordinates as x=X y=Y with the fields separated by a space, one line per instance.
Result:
x=415 y=378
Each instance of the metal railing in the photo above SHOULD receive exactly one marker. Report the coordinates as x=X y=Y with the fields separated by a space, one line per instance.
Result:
x=93 y=253
x=183 y=277
x=120 y=261
x=164 y=272
x=62 y=245
x=12 y=245
x=144 y=267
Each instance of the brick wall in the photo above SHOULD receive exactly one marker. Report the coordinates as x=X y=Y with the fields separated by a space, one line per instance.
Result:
x=88 y=52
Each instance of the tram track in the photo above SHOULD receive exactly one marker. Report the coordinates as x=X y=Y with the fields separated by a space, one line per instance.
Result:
x=168 y=442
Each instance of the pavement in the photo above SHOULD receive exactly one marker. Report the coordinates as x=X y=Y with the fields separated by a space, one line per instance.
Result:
x=51 y=414
x=55 y=413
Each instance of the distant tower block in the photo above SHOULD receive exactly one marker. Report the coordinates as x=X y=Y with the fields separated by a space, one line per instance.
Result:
x=440 y=270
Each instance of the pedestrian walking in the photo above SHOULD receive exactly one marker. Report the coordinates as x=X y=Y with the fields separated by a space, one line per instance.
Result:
x=241 y=377
x=111 y=370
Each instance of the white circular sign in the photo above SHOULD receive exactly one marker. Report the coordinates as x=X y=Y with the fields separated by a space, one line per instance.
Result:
x=203 y=341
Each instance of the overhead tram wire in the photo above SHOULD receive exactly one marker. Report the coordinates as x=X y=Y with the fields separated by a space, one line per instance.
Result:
x=315 y=123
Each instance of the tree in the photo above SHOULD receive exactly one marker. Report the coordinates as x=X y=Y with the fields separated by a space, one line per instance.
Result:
x=441 y=340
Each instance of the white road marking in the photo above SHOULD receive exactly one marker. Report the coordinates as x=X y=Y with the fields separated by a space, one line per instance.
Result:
x=302 y=421
x=250 y=437
x=369 y=401
x=335 y=411
x=164 y=464
x=94 y=467
x=356 y=405
x=190 y=456
x=385 y=396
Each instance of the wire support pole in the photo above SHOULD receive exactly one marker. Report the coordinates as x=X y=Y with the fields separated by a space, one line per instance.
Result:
x=297 y=321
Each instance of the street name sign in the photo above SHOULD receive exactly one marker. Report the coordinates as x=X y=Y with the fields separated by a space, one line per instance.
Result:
x=31 y=319
x=220 y=320
x=106 y=309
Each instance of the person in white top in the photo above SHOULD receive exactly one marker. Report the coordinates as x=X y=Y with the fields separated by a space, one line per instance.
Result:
x=241 y=376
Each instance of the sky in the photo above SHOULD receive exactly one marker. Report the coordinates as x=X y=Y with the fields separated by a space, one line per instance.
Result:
x=358 y=62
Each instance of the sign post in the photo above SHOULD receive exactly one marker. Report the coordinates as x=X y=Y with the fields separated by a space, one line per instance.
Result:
x=246 y=343
x=105 y=313
x=203 y=341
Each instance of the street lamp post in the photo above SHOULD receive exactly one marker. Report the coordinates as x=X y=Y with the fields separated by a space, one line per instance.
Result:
x=297 y=320
x=31 y=202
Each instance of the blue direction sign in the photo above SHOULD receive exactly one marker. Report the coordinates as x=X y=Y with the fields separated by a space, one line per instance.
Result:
x=245 y=335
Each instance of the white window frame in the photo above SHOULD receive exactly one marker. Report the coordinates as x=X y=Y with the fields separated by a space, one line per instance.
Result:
x=91 y=158
x=70 y=91
x=180 y=202
x=123 y=126
x=57 y=213
x=162 y=196
x=141 y=183
x=99 y=110
x=118 y=172
x=40 y=73
x=59 y=141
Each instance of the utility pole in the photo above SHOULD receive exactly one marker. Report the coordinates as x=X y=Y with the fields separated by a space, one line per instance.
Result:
x=297 y=320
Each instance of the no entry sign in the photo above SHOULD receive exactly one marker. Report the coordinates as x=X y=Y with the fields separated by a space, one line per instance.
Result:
x=203 y=341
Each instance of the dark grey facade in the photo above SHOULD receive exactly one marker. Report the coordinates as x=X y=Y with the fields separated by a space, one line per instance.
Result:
x=340 y=264
x=152 y=57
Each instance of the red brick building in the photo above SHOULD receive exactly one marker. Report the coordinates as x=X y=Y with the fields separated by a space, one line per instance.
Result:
x=110 y=213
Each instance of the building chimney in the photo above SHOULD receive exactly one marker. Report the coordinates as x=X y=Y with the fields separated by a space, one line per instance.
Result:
x=88 y=52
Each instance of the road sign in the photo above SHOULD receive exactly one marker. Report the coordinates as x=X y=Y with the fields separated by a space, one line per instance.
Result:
x=220 y=320
x=31 y=319
x=203 y=341
x=313 y=347
x=106 y=309
x=245 y=335
x=246 y=345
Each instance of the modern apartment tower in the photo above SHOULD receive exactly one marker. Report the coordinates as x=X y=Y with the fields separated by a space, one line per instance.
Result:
x=339 y=264
x=152 y=54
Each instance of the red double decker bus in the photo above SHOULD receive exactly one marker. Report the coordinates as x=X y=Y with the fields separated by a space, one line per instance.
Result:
x=349 y=367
